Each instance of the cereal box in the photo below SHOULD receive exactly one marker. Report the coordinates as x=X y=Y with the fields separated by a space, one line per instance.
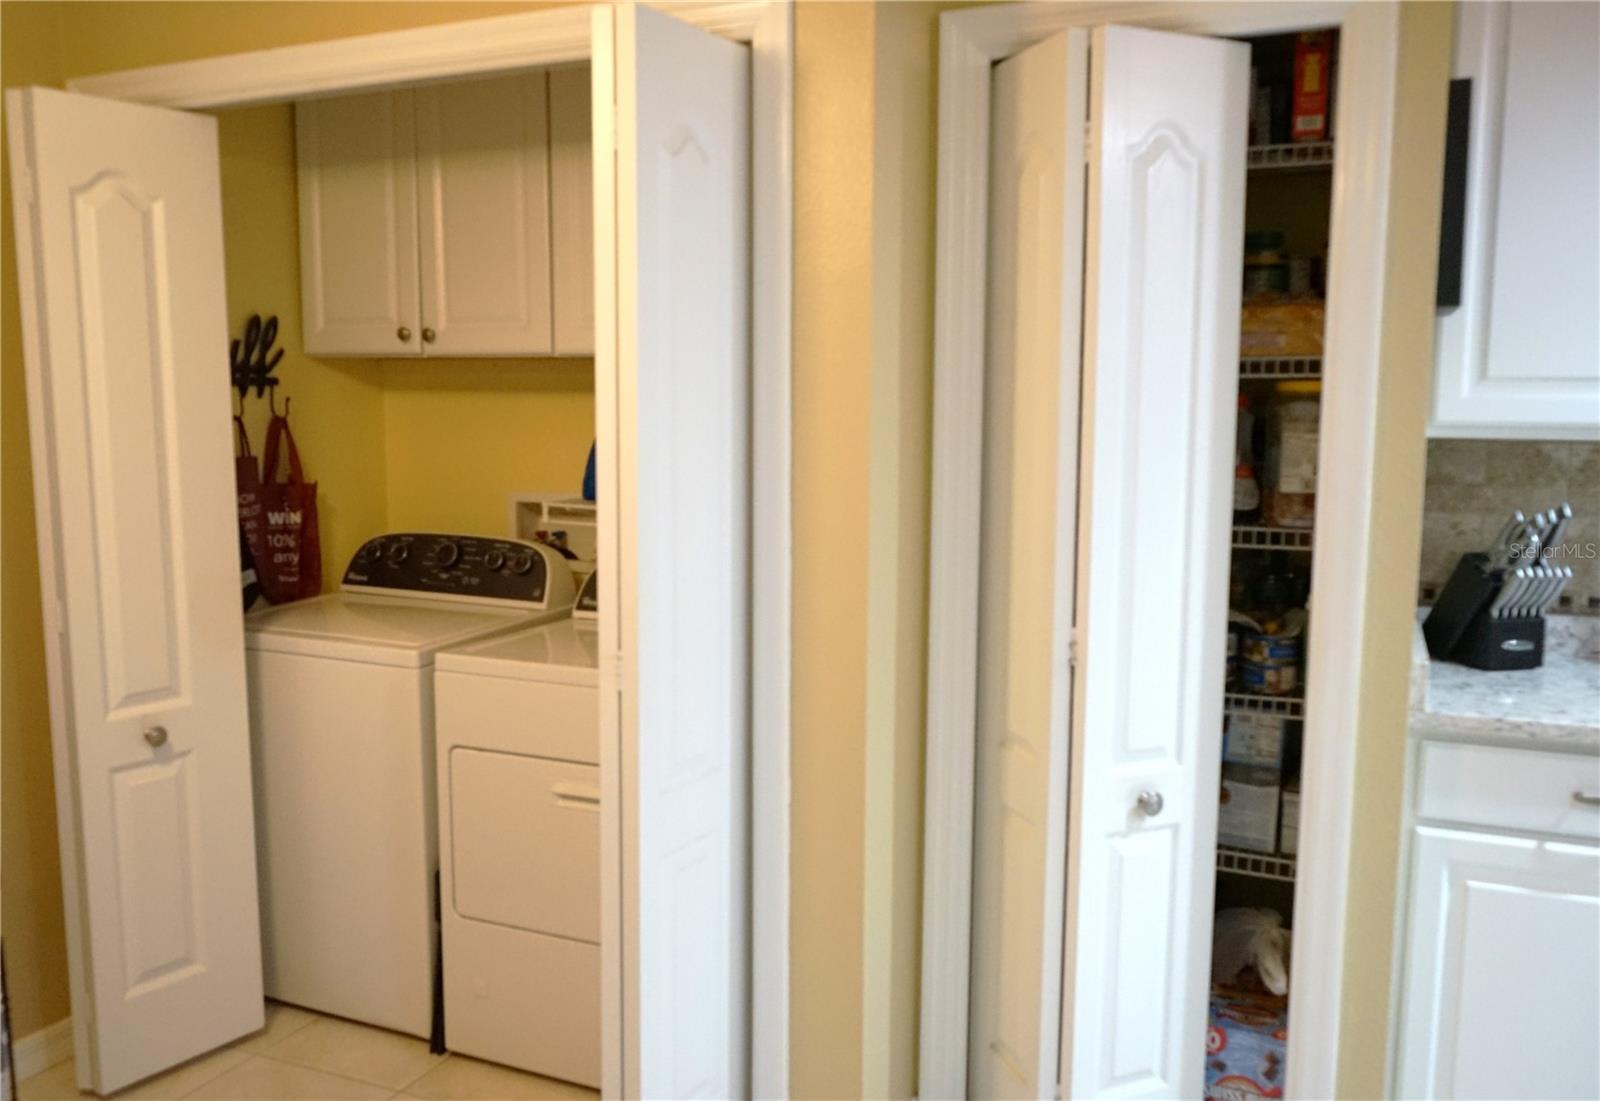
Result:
x=1245 y=1045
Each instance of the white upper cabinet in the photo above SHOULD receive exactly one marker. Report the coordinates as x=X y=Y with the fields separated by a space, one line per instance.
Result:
x=483 y=187
x=426 y=219
x=1519 y=358
x=358 y=224
x=572 y=210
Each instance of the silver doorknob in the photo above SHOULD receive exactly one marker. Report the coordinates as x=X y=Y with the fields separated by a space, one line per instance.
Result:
x=428 y=335
x=1150 y=802
x=403 y=333
x=156 y=736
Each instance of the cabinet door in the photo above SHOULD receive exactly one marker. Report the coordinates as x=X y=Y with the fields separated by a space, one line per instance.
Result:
x=484 y=176
x=1501 y=953
x=1520 y=357
x=572 y=211
x=358 y=225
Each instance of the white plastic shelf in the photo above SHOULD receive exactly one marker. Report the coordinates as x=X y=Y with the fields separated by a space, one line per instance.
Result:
x=1275 y=866
x=1291 y=155
x=1253 y=367
x=1256 y=537
x=1293 y=707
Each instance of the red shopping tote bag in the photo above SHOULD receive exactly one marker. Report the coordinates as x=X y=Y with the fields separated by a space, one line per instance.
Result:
x=247 y=483
x=289 y=563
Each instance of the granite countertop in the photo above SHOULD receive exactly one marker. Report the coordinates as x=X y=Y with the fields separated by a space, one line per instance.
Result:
x=1556 y=705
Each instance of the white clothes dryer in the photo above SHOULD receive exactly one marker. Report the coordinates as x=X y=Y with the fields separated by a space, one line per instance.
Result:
x=519 y=841
x=342 y=731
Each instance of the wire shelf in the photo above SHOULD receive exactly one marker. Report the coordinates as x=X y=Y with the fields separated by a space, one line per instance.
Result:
x=1274 y=866
x=1292 y=155
x=1256 y=537
x=1252 y=367
x=1293 y=707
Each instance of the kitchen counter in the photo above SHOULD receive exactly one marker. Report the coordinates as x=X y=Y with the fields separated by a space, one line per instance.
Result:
x=1556 y=705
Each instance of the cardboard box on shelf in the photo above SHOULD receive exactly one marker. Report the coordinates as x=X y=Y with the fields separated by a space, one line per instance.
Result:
x=1312 y=66
x=1253 y=738
x=1274 y=327
x=1289 y=830
x=1248 y=816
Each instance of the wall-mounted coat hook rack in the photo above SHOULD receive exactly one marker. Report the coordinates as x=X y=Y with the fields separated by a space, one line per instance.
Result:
x=252 y=359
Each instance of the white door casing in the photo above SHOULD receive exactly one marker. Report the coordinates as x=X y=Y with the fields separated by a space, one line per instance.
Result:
x=1161 y=332
x=672 y=404
x=483 y=193
x=1028 y=570
x=356 y=167
x=119 y=246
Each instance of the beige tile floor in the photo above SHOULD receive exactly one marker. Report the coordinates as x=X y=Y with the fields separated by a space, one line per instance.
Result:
x=304 y=1056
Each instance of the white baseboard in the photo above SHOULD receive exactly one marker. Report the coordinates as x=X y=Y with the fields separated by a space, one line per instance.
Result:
x=42 y=1050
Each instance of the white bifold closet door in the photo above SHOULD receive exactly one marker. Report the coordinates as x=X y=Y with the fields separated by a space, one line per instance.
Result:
x=119 y=251
x=672 y=372
x=1030 y=482
x=1117 y=202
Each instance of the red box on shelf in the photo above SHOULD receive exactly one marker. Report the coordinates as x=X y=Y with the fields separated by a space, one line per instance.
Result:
x=1313 y=56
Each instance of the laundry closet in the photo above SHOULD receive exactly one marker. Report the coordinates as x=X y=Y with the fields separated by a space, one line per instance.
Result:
x=463 y=784
x=443 y=229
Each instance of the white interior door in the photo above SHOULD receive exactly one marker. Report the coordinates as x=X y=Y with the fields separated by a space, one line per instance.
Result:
x=1036 y=187
x=672 y=395
x=119 y=250
x=1166 y=212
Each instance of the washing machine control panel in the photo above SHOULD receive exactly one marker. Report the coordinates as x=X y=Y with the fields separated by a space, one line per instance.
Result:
x=455 y=566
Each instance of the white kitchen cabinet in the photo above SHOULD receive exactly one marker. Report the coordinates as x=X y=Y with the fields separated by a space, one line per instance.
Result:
x=1519 y=358
x=1502 y=946
x=358 y=224
x=572 y=211
x=483 y=192
x=427 y=219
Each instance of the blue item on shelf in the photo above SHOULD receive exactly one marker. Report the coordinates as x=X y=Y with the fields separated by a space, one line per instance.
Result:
x=588 y=476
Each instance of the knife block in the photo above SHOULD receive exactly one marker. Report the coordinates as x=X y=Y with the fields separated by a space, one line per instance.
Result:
x=1460 y=629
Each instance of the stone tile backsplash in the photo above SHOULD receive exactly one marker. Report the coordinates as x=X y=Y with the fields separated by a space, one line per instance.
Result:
x=1474 y=484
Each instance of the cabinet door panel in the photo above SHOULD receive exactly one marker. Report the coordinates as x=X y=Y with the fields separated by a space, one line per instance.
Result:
x=484 y=177
x=572 y=211
x=358 y=224
x=1502 y=947
x=1520 y=357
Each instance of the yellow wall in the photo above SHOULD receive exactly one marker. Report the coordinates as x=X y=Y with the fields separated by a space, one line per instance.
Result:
x=462 y=435
x=1405 y=373
x=30 y=872
x=832 y=397
x=335 y=406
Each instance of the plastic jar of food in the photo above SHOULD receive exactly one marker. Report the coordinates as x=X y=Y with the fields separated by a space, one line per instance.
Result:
x=1292 y=455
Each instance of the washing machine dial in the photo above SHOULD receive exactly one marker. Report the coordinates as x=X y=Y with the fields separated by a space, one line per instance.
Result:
x=371 y=552
x=494 y=560
x=446 y=554
x=521 y=563
x=398 y=554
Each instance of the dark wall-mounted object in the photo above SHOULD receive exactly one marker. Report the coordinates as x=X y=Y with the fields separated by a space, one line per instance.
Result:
x=1453 y=216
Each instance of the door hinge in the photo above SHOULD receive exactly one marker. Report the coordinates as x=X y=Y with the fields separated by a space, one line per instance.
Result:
x=1072 y=650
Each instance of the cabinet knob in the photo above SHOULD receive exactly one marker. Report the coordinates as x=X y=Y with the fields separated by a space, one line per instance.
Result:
x=428 y=335
x=156 y=736
x=404 y=334
x=1150 y=802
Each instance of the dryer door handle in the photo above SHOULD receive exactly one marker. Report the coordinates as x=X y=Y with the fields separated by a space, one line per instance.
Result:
x=579 y=796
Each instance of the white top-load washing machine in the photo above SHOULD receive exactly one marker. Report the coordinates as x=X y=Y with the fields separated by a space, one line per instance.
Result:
x=342 y=732
x=519 y=840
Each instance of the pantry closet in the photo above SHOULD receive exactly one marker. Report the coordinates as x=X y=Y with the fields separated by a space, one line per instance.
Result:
x=127 y=270
x=1135 y=415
